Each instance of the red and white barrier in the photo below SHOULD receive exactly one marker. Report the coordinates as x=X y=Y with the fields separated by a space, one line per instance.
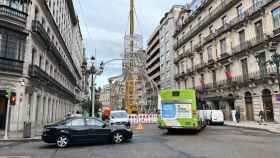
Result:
x=143 y=118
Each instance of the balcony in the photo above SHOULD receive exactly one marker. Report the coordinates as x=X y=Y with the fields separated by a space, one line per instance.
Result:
x=198 y=47
x=11 y=65
x=179 y=58
x=180 y=75
x=256 y=8
x=15 y=16
x=222 y=7
x=200 y=67
x=224 y=58
x=37 y=73
x=241 y=47
x=276 y=31
x=39 y=29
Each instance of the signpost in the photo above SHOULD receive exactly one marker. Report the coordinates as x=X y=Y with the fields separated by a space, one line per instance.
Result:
x=8 y=95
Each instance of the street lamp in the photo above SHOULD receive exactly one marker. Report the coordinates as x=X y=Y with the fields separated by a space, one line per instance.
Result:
x=275 y=60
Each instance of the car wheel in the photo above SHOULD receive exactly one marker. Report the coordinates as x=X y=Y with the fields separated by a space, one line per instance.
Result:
x=118 y=138
x=62 y=141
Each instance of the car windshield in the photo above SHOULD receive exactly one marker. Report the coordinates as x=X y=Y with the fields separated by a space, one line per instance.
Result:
x=119 y=115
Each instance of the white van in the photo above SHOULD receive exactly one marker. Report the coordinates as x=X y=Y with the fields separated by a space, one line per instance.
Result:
x=119 y=117
x=217 y=117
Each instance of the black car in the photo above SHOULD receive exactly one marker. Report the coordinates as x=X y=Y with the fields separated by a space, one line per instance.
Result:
x=84 y=130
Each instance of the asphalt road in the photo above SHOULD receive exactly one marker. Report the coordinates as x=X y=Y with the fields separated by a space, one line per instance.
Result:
x=212 y=142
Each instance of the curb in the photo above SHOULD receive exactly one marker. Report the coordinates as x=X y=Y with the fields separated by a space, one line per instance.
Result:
x=253 y=128
x=21 y=140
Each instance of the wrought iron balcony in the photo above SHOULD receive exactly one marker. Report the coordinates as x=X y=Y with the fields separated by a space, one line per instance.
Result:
x=241 y=47
x=37 y=73
x=180 y=76
x=256 y=7
x=38 y=28
x=200 y=67
x=218 y=11
x=276 y=31
x=13 y=14
x=11 y=65
x=179 y=58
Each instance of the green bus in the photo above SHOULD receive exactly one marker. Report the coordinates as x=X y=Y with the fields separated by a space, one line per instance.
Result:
x=178 y=110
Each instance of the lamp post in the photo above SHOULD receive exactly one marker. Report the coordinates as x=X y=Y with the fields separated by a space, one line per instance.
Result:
x=275 y=60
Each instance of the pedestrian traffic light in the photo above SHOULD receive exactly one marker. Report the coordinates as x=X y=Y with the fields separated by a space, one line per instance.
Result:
x=13 y=99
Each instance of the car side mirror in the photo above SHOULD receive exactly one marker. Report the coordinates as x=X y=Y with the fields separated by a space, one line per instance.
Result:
x=104 y=125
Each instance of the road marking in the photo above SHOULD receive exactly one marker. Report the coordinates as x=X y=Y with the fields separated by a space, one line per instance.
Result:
x=15 y=157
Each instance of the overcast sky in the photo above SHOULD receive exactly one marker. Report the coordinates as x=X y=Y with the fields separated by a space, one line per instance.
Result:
x=105 y=22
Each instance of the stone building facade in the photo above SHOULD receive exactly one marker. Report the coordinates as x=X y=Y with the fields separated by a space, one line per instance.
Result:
x=167 y=28
x=41 y=58
x=224 y=50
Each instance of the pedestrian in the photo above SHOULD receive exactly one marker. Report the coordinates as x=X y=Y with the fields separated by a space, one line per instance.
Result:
x=261 y=115
x=237 y=116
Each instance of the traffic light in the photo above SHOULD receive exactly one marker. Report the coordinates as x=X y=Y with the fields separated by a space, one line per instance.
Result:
x=13 y=99
x=8 y=93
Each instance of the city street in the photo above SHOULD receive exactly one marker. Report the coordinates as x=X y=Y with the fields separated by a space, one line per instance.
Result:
x=213 y=142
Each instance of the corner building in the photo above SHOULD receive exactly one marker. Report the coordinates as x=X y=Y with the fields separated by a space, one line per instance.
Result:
x=223 y=51
x=41 y=54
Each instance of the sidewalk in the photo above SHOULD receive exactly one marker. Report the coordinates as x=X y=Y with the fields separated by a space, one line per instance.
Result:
x=15 y=136
x=266 y=126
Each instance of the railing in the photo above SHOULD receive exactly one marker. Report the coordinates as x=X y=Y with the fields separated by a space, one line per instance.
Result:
x=11 y=65
x=257 y=6
x=241 y=47
x=200 y=66
x=36 y=72
x=8 y=11
x=206 y=20
x=38 y=28
x=276 y=31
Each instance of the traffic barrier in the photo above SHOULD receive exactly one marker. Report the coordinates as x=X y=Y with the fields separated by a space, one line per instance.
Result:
x=143 y=118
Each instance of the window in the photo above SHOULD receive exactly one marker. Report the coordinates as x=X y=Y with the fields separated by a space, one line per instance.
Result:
x=40 y=61
x=259 y=30
x=223 y=46
x=211 y=29
x=209 y=52
x=94 y=122
x=210 y=10
x=214 y=78
x=201 y=58
x=242 y=37
x=192 y=62
x=11 y=45
x=240 y=11
x=244 y=68
x=228 y=73
x=224 y=20
x=76 y=122
x=276 y=18
x=200 y=38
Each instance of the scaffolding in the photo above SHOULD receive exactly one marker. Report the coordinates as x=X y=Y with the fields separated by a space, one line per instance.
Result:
x=129 y=90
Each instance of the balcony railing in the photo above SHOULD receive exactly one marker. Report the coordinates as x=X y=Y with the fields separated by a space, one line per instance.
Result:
x=222 y=7
x=36 y=72
x=14 y=13
x=276 y=31
x=40 y=30
x=11 y=65
x=257 y=6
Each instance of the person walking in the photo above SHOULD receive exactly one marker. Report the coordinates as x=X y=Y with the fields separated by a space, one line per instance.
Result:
x=261 y=115
x=237 y=116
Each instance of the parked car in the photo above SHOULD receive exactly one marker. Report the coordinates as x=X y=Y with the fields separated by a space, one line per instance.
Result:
x=84 y=130
x=119 y=117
